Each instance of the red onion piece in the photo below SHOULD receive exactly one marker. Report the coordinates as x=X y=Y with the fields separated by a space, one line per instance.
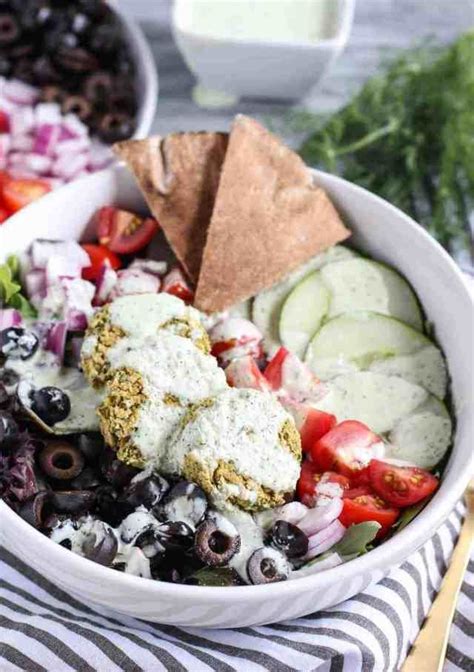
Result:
x=104 y=284
x=46 y=139
x=56 y=339
x=22 y=121
x=35 y=282
x=325 y=539
x=9 y=317
x=76 y=320
x=321 y=516
x=20 y=92
x=74 y=126
x=69 y=165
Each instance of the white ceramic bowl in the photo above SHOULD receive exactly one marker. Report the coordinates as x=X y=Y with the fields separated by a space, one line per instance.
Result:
x=239 y=66
x=146 y=73
x=382 y=231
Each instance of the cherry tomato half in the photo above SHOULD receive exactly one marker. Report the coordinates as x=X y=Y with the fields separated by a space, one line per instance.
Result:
x=315 y=426
x=4 y=122
x=368 y=507
x=401 y=486
x=274 y=369
x=98 y=254
x=175 y=283
x=310 y=479
x=123 y=232
x=4 y=214
x=347 y=448
x=17 y=193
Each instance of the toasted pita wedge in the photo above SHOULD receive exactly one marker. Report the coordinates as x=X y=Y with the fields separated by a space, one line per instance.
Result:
x=269 y=217
x=179 y=175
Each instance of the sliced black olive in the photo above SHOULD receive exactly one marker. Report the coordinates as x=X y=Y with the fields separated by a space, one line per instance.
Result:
x=91 y=446
x=61 y=460
x=289 y=539
x=73 y=502
x=9 y=29
x=101 y=548
x=184 y=502
x=5 y=66
x=109 y=508
x=4 y=396
x=216 y=541
x=146 y=491
x=267 y=565
x=114 y=471
x=115 y=126
x=98 y=86
x=18 y=343
x=50 y=404
x=77 y=105
x=75 y=59
x=45 y=71
x=175 y=536
x=88 y=479
x=9 y=431
x=34 y=510
x=149 y=542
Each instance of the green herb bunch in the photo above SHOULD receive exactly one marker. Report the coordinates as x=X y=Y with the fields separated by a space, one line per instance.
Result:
x=408 y=136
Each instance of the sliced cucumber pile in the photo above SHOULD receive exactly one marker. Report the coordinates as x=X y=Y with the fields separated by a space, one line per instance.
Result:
x=424 y=436
x=302 y=313
x=377 y=400
x=373 y=342
x=268 y=304
x=362 y=284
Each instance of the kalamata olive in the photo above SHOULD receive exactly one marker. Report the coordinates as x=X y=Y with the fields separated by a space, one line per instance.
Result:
x=73 y=502
x=216 y=541
x=21 y=50
x=289 y=539
x=98 y=86
x=91 y=446
x=163 y=568
x=76 y=59
x=148 y=542
x=50 y=404
x=146 y=491
x=18 y=343
x=101 y=547
x=175 y=536
x=134 y=524
x=109 y=508
x=4 y=396
x=88 y=479
x=267 y=565
x=61 y=460
x=23 y=69
x=115 y=126
x=9 y=379
x=9 y=29
x=5 y=66
x=34 y=510
x=45 y=71
x=105 y=38
x=114 y=471
x=77 y=105
x=185 y=502
x=9 y=431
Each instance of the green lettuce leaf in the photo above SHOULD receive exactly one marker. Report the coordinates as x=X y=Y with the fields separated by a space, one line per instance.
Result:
x=356 y=540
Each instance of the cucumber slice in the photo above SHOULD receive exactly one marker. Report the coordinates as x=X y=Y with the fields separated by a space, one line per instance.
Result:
x=267 y=304
x=302 y=313
x=365 y=285
x=370 y=341
x=377 y=400
x=424 y=436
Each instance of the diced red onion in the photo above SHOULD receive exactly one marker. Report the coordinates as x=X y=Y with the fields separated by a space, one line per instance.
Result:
x=21 y=173
x=152 y=266
x=42 y=250
x=69 y=165
x=73 y=125
x=9 y=317
x=56 y=339
x=325 y=539
x=134 y=281
x=22 y=121
x=21 y=143
x=106 y=281
x=7 y=106
x=46 y=138
x=321 y=516
x=76 y=320
x=36 y=163
x=59 y=267
x=20 y=92
x=76 y=346
x=48 y=113
x=35 y=282
x=5 y=144
x=73 y=146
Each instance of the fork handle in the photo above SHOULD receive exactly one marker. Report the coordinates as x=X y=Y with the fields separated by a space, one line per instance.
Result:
x=429 y=649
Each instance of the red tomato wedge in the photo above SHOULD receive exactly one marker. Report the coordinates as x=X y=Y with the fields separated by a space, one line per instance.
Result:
x=274 y=369
x=244 y=372
x=368 y=507
x=316 y=425
x=347 y=448
x=123 y=232
x=4 y=122
x=98 y=254
x=175 y=283
x=18 y=193
x=310 y=479
x=4 y=214
x=401 y=486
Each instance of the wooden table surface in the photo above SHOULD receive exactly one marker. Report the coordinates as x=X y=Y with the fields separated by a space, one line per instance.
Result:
x=380 y=27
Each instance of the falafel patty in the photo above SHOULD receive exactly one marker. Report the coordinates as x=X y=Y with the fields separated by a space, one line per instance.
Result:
x=139 y=315
x=241 y=447
x=151 y=383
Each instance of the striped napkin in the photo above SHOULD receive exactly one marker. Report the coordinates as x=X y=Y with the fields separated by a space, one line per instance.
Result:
x=44 y=629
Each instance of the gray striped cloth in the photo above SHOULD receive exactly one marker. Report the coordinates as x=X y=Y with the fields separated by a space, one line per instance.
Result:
x=43 y=628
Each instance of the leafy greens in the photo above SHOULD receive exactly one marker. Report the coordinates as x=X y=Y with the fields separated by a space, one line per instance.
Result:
x=10 y=288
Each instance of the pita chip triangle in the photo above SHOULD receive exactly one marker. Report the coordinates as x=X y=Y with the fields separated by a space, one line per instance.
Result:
x=269 y=218
x=178 y=175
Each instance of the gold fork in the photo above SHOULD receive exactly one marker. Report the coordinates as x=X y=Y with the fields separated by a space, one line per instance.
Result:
x=429 y=648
